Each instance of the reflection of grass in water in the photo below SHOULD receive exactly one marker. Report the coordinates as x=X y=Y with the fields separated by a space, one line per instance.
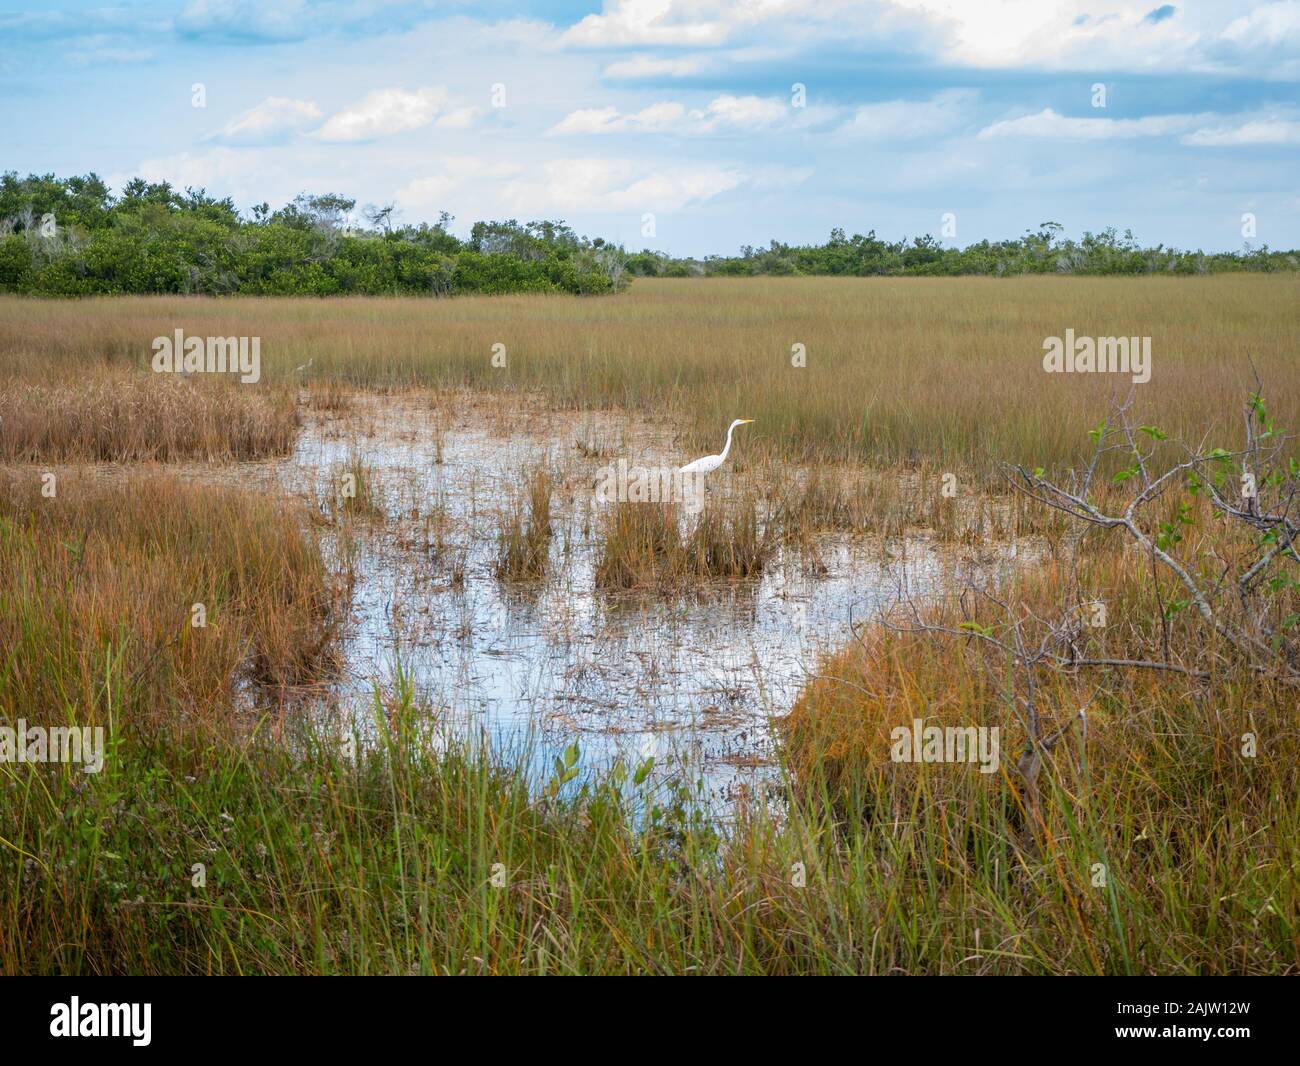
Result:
x=620 y=877
x=323 y=864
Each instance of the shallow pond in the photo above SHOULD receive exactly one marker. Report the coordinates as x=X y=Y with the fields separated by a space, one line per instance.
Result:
x=693 y=679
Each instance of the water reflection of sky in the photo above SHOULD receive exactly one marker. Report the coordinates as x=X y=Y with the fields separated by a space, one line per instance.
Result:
x=695 y=677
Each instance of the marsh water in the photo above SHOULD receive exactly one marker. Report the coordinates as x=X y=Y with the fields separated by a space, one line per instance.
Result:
x=694 y=679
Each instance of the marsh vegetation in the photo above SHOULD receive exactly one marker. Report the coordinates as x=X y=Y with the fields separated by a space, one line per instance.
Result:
x=462 y=717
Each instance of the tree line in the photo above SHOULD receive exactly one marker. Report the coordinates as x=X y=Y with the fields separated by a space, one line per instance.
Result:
x=1041 y=251
x=73 y=236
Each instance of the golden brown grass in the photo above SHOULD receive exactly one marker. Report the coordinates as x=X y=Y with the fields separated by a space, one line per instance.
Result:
x=99 y=587
x=655 y=546
x=523 y=547
x=1159 y=835
x=357 y=492
x=947 y=371
x=908 y=868
x=1156 y=739
x=640 y=546
x=123 y=414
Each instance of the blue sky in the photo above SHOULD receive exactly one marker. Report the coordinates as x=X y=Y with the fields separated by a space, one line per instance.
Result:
x=604 y=113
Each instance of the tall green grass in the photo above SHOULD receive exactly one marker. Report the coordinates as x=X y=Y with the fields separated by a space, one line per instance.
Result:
x=423 y=857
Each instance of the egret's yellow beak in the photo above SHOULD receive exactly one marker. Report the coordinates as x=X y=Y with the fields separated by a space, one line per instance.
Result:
x=745 y=420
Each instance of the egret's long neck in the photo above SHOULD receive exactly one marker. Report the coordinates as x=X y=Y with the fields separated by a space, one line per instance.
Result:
x=730 y=429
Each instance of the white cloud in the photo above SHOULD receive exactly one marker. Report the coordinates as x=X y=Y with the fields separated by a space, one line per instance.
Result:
x=1265 y=40
x=908 y=119
x=106 y=49
x=743 y=112
x=656 y=117
x=1112 y=34
x=456 y=175
x=772 y=177
x=1109 y=35
x=1048 y=124
x=273 y=120
x=567 y=186
x=461 y=118
x=572 y=185
x=275 y=20
x=1266 y=26
x=383 y=113
x=1258 y=131
x=1199 y=130
x=653 y=67
x=723 y=113
x=592 y=120
x=249 y=175
x=624 y=22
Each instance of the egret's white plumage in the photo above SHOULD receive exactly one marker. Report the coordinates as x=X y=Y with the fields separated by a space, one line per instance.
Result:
x=711 y=462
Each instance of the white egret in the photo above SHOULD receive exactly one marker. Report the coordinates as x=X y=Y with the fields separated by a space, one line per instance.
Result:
x=711 y=463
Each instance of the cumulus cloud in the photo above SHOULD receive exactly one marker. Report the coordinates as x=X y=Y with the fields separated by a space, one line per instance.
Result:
x=655 y=118
x=1129 y=35
x=383 y=113
x=742 y=112
x=456 y=175
x=248 y=175
x=1268 y=25
x=270 y=122
x=1264 y=41
x=1199 y=130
